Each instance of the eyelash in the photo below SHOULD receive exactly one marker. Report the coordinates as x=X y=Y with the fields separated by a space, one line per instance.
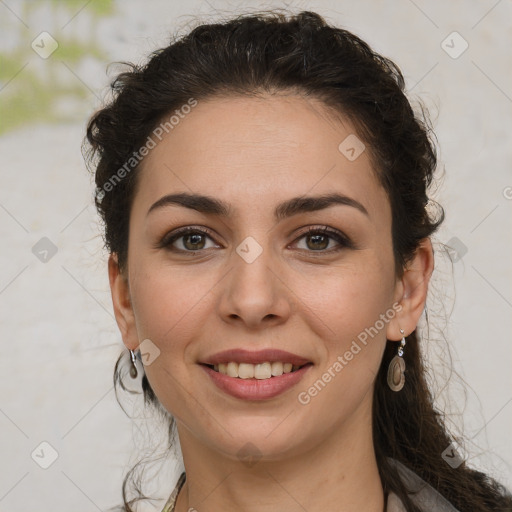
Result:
x=338 y=236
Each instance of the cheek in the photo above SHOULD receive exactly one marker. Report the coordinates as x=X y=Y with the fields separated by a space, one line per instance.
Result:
x=348 y=298
x=165 y=300
x=352 y=308
x=166 y=305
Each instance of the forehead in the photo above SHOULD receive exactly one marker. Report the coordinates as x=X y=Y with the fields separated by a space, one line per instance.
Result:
x=250 y=150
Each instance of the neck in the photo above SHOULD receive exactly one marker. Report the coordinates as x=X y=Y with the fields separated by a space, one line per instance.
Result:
x=339 y=473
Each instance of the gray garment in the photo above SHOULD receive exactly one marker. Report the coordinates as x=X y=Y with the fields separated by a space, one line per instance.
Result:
x=422 y=494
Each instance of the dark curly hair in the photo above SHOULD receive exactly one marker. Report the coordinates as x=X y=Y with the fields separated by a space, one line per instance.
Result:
x=270 y=52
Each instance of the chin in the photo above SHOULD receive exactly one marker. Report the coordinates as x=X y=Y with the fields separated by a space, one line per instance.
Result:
x=254 y=439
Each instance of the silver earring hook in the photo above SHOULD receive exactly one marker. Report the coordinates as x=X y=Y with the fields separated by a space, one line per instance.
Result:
x=133 y=366
x=402 y=344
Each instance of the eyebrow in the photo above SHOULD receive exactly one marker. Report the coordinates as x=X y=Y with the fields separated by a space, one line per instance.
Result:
x=288 y=208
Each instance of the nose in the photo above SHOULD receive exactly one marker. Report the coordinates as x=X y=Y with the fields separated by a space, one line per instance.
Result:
x=254 y=292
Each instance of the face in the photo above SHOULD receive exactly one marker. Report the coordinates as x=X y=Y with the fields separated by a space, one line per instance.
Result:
x=250 y=277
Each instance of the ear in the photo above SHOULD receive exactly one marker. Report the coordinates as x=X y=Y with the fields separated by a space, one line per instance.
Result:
x=411 y=291
x=121 y=301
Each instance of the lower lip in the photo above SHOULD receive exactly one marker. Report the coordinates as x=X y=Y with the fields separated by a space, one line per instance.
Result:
x=256 y=389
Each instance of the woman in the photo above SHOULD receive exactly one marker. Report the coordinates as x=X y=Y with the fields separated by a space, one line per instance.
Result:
x=263 y=184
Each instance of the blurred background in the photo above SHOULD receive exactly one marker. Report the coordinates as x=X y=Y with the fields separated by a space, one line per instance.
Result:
x=65 y=443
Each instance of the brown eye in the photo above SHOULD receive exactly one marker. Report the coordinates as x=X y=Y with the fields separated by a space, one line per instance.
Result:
x=186 y=240
x=193 y=241
x=318 y=242
x=324 y=239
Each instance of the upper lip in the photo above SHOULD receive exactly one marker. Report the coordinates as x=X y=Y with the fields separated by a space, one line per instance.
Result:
x=239 y=355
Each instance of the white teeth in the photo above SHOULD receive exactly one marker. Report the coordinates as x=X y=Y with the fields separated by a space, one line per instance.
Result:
x=262 y=371
x=277 y=368
x=246 y=371
x=259 y=371
x=232 y=370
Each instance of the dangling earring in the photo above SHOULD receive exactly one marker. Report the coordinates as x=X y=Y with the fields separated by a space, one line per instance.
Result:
x=396 y=369
x=133 y=366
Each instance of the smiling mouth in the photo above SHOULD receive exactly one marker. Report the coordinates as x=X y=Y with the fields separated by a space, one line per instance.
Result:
x=260 y=371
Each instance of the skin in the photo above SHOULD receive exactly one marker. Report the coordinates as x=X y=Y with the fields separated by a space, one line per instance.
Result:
x=254 y=153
